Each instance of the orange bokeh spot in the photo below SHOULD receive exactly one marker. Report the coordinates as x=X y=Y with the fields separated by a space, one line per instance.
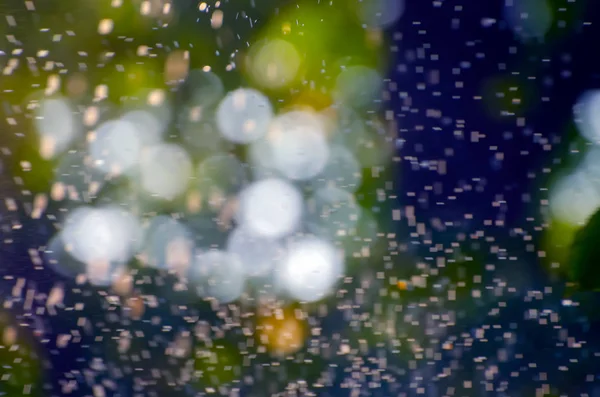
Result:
x=281 y=332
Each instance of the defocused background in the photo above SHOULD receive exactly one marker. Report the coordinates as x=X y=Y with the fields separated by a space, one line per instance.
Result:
x=324 y=198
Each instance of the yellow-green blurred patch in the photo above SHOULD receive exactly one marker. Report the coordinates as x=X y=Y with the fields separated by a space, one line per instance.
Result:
x=216 y=363
x=584 y=255
x=556 y=243
x=323 y=34
x=20 y=364
x=35 y=174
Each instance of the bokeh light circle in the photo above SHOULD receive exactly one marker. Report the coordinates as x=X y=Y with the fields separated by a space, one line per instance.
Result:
x=56 y=126
x=59 y=260
x=243 y=116
x=76 y=179
x=332 y=212
x=587 y=115
x=116 y=147
x=342 y=170
x=310 y=269
x=358 y=86
x=380 y=13
x=258 y=255
x=218 y=274
x=298 y=145
x=102 y=238
x=165 y=170
x=149 y=127
x=198 y=129
x=204 y=88
x=168 y=244
x=274 y=63
x=573 y=199
x=222 y=171
x=270 y=208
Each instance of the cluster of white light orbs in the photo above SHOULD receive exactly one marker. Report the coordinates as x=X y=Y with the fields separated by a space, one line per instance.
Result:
x=284 y=150
x=282 y=240
x=576 y=196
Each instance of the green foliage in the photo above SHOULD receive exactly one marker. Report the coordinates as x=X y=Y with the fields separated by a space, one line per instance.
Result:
x=584 y=256
x=20 y=364
x=216 y=363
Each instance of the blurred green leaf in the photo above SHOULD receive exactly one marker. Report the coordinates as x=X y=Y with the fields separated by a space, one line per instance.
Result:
x=584 y=256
